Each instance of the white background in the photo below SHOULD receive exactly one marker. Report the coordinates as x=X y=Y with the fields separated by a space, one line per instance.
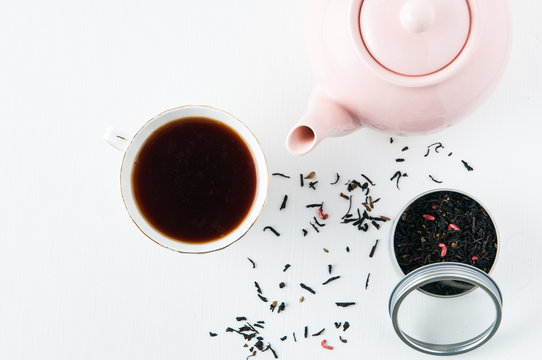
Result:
x=79 y=281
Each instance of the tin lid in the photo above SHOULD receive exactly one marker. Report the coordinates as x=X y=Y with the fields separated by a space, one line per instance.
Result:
x=430 y=324
x=415 y=37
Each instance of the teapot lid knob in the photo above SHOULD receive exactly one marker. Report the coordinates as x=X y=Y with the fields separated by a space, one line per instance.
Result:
x=417 y=15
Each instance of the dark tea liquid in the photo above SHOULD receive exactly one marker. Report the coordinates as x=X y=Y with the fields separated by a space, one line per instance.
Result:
x=194 y=180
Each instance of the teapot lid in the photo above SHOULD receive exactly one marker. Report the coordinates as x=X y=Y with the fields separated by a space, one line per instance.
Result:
x=415 y=37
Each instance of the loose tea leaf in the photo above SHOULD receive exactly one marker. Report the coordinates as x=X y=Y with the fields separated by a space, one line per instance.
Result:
x=435 y=180
x=212 y=334
x=319 y=332
x=373 y=249
x=315 y=205
x=367 y=281
x=346 y=325
x=307 y=288
x=336 y=181
x=436 y=146
x=467 y=166
x=272 y=230
x=331 y=279
x=368 y=180
x=252 y=262
x=281 y=175
x=258 y=289
x=286 y=267
x=345 y=304
x=311 y=175
x=283 y=205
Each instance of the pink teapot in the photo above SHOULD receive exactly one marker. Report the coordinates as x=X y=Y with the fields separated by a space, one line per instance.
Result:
x=400 y=66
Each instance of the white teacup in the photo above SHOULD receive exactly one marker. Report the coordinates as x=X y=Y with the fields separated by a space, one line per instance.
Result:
x=131 y=147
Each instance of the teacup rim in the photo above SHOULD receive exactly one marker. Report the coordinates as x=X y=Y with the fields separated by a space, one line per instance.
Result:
x=255 y=212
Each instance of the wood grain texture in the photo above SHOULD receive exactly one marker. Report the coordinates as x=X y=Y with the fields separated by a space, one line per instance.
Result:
x=79 y=281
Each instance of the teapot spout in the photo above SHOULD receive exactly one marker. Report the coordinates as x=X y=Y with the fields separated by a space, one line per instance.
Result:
x=324 y=118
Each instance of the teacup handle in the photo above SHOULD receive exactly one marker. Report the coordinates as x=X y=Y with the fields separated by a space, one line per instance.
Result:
x=117 y=138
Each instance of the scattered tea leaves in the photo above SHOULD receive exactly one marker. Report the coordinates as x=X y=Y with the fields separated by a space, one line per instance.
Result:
x=305 y=232
x=467 y=166
x=315 y=205
x=306 y=333
x=317 y=223
x=283 y=338
x=283 y=205
x=405 y=148
x=312 y=184
x=286 y=267
x=319 y=332
x=281 y=175
x=436 y=146
x=331 y=279
x=344 y=341
x=282 y=285
x=368 y=180
x=258 y=289
x=400 y=160
x=212 y=334
x=270 y=228
x=252 y=262
x=311 y=175
x=301 y=180
x=329 y=268
x=398 y=175
x=373 y=249
x=346 y=325
x=282 y=306
x=307 y=288
x=263 y=298
x=336 y=181
x=241 y=318
x=435 y=180
x=367 y=281
x=345 y=304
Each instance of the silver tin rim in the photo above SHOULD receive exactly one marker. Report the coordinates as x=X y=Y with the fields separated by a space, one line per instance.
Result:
x=394 y=225
x=445 y=271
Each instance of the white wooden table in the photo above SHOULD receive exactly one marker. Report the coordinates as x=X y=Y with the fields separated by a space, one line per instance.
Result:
x=79 y=281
